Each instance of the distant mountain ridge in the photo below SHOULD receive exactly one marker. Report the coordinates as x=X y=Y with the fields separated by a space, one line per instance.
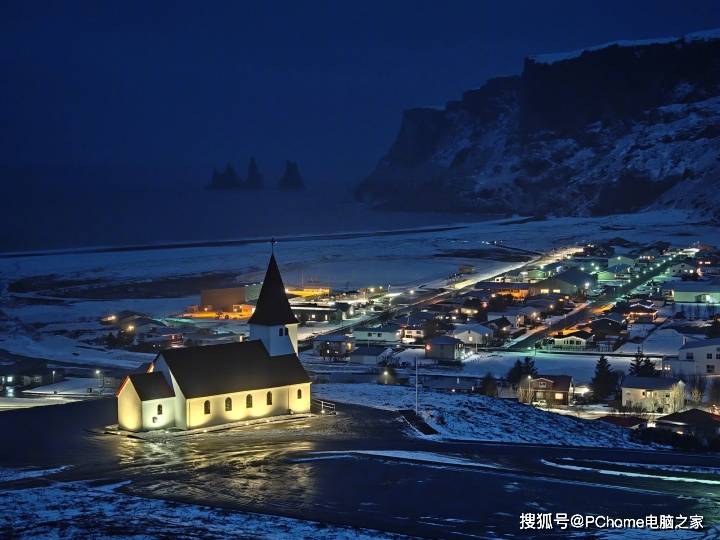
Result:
x=615 y=128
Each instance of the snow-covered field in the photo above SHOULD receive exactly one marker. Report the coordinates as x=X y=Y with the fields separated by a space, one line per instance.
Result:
x=475 y=417
x=83 y=510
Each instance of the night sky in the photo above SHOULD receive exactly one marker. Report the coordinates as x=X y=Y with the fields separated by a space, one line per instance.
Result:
x=167 y=90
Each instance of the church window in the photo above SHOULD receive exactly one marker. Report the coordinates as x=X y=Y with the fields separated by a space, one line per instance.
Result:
x=248 y=401
x=159 y=410
x=269 y=398
x=228 y=404
x=207 y=407
x=299 y=393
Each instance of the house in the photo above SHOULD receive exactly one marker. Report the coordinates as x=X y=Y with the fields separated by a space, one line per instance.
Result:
x=706 y=292
x=501 y=326
x=142 y=325
x=445 y=349
x=623 y=260
x=160 y=337
x=517 y=290
x=681 y=268
x=387 y=334
x=653 y=394
x=196 y=387
x=571 y=282
x=641 y=314
x=694 y=422
x=606 y=326
x=225 y=299
x=369 y=356
x=625 y=421
x=473 y=334
x=554 y=390
x=704 y=355
x=413 y=332
x=121 y=318
x=312 y=312
x=333 y=346
x=24 y=375
x=577 y=340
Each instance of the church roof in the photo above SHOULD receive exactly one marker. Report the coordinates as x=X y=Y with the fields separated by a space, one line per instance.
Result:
x=272 y=307
x=151 y=386
x=231 y=367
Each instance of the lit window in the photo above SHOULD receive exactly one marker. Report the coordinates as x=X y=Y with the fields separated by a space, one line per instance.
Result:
x=207 y=407
x=228 y=404
x=269 y=398
x=558 y=395
x=248 y=402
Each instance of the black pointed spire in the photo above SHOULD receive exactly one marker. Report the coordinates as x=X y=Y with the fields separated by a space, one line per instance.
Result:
x=273 y=307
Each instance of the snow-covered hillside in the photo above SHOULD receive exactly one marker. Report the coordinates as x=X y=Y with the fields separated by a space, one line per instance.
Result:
x=614 y=128
x=476 y=417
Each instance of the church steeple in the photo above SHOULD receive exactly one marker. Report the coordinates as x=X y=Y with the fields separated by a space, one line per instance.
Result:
x=273 y=321
x=272 y=306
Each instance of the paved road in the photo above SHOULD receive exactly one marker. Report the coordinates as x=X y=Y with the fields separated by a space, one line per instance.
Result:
x=336 y=469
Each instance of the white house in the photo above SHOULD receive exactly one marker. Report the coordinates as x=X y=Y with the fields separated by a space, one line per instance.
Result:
x=702 y=357
x=653 y=394
x=472 y=334
x=369 y=356
x=388 y=334
x=196 y=387
x=706 y=292
x=579 y=340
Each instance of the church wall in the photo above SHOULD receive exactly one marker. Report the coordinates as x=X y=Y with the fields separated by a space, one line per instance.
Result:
x=284 y=399
x=180 y=406
x=150 y=412
x=129 y=408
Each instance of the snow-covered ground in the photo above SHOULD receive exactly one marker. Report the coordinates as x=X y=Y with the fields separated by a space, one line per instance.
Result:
x=475 y=417
x=73 y=386
x=82 y=510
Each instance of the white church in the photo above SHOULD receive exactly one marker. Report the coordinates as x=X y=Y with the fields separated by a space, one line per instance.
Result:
x=196 y=387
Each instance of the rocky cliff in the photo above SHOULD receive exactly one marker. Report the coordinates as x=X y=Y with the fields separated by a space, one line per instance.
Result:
x=609 y=129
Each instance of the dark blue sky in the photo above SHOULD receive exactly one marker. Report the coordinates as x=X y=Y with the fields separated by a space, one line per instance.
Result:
x=165 y=90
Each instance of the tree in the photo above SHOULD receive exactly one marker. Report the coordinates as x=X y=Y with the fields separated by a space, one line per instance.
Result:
x=489 y=385
x=713 y=330
x=291 y=178
x=604 y=381
x=714 y=393
x=642 y=366
x=529 y=367
x=521 y=370
x=254 y=178
x=697 y=385
x=677 y=398
x=514 y=374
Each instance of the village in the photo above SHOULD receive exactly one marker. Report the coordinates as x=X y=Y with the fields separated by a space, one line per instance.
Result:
x=610 y=331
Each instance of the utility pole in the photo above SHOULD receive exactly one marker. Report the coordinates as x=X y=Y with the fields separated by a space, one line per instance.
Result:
x=416 y=385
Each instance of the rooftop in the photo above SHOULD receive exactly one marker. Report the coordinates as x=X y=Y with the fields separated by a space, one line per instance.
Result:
x=151 y=386
x=648 y=383
x=715 y=342
x=231 y=367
